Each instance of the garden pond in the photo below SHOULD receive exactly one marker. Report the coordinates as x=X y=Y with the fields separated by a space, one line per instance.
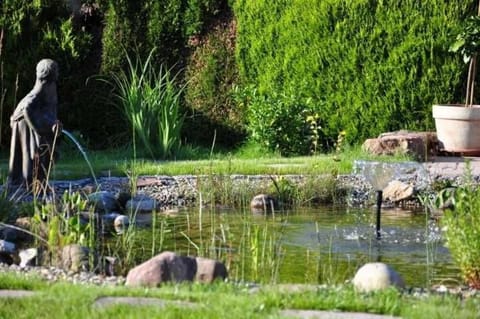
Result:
x=309 y=246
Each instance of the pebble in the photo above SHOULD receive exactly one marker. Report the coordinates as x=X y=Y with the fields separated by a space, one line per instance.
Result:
x=54 y=274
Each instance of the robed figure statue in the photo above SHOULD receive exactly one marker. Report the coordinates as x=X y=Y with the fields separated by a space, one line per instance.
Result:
x=35 y=126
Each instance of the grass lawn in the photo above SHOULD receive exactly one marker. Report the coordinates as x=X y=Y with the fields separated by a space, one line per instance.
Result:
x=250 y=162
x=220 y=300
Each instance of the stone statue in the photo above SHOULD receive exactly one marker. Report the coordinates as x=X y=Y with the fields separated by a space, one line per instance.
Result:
x=34 y=126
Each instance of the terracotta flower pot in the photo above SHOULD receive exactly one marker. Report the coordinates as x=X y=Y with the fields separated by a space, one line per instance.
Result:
x=458 y=128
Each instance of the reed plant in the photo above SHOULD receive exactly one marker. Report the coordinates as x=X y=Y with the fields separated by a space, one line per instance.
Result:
x=150 y=101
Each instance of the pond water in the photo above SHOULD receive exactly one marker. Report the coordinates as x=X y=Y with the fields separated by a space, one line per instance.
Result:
x=313 y=246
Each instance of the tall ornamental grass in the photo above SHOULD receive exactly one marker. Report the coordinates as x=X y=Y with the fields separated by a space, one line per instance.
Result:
x=150 y=100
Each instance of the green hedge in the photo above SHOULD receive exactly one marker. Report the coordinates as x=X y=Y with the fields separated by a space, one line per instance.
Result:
x=361 y=66
x=298 y=72
x=211 y=76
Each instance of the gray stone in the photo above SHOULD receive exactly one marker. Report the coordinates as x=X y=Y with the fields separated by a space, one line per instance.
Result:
x=7 y=293
x=397 y=191
x=208 y=270
x=103 y=201
x=376 y=276
x=320 y=314
x=139 y=301
x=164 y=267
x=7 y=247
x=9 y=234
x=76 y=258
x=26 y=226
x=262 y=204
x=141 y=204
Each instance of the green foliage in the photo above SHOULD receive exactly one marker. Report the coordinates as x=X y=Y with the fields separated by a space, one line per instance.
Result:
x=211 y=76
x=171 y=26
x=284 y=190
x=7 y=207
x=145 y=24
x=65 y=42
x=60 y=224
x=150 y=101
x=354 y=63
x=283 y=123
x=467 y=41
x=122 y=30
x=462 y=232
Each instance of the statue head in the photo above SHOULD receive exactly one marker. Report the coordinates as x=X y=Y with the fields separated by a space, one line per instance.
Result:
x=47 y=70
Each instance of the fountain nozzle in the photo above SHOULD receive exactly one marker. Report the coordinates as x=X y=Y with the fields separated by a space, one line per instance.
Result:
x=379 y=208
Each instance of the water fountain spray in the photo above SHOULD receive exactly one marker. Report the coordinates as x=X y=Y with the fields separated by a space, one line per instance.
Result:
x=80 y=148
x=378 y=175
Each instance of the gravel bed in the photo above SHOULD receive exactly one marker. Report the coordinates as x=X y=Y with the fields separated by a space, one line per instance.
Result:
x=54 y=274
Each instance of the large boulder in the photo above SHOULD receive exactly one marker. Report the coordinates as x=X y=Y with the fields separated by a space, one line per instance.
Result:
x=162 y=268
x=376 y=276
x=169 y=266
x=421 y=145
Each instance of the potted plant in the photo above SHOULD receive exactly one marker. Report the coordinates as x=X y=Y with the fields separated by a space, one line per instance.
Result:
x=458 y=125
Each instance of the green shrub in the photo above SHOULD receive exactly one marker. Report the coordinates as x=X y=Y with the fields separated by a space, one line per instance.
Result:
x=355 y=62
x=284 y=124
x=463 y=233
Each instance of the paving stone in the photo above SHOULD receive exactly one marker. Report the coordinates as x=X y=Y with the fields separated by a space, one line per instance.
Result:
x=318 y=314
x=139 y=301
x=16 y=293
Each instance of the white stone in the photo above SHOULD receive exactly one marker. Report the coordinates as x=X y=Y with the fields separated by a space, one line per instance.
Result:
x=120 y=223
x=27 y=256
x=376 y=276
